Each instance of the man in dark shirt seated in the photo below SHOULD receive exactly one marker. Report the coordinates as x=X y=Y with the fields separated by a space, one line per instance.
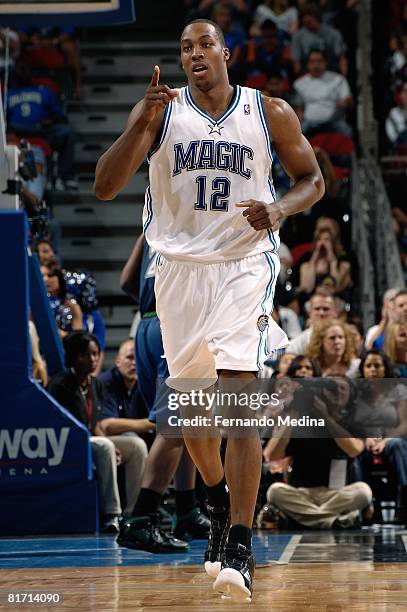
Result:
x=318 y=495
x=123 y=406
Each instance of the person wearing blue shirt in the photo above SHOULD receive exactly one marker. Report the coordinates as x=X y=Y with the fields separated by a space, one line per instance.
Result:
x=34 y=110
x=122 y=398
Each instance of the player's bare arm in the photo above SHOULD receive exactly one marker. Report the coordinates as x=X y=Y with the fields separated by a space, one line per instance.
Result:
x=130 y=275
x=298 y=160
x=119 y=163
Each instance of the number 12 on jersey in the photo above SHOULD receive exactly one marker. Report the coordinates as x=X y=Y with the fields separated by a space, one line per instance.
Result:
x=219 y=196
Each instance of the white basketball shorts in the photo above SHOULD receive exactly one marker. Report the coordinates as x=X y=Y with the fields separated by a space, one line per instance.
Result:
x=216 y=317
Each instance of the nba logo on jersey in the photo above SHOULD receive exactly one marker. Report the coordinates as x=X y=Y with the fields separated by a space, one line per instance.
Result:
x=246 y=109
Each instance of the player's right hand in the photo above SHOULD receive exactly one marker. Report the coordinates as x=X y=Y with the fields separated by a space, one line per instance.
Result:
x=157 y=96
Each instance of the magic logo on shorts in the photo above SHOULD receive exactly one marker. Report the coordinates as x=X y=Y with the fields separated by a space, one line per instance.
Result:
x=262 y=322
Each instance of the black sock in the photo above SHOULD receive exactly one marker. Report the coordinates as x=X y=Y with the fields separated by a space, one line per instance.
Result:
x=239 y=534
x=185 y=501
x=147 y=503
x=218 y=495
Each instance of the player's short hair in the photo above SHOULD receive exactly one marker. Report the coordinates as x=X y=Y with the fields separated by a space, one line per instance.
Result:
x=218 y=30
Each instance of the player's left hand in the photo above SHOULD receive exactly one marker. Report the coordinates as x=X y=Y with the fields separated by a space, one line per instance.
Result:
x=261 y=215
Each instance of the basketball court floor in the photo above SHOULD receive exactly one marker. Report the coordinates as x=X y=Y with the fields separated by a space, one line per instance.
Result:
x=329 y=571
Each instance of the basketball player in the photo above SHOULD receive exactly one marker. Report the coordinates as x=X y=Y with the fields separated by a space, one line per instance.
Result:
x=210 y=154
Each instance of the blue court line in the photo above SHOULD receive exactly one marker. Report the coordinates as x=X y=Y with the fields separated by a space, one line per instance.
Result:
x=94 y=551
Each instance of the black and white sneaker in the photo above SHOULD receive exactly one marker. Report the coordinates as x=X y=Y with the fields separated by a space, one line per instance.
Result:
x=219 y=530
x=235 y=579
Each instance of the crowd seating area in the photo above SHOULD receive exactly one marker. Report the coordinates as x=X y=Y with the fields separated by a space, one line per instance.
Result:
x=302 y=52
x=392 y=117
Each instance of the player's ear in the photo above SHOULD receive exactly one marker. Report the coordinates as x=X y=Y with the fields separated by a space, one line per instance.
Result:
x=226 y=53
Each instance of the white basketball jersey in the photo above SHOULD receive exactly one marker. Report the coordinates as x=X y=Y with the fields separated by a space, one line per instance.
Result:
x=199 y=171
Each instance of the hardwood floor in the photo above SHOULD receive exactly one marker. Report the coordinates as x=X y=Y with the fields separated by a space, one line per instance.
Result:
x=281 y=588
x=318 y=571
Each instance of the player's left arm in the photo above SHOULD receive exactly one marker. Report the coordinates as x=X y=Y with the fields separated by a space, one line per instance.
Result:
x=298 y=160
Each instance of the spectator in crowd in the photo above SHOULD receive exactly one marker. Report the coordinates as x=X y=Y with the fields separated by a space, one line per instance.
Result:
x=319 y=495
x=322 y=306
x=123 y=406
x=67 y=313
x=204 y=8
x=56 y=49
x=80 y=287
x=314 y=35
x=234 y=40
x=322 y=223
x=277 y=86
x=328 y=284
x=325 y=260
x=332 y=348
x=303 y=367
x=396 y=124
x=82 y=394
x=283 y=16
x=395 y=310
x=381 y=409
x=375 y=334
x=396 y=62
x=46 y=253
x=326 y=97
x=267 y=53
x=400 y=304
x=356 y=329
x=395 y=344
x=332 y=225
x=34 y=110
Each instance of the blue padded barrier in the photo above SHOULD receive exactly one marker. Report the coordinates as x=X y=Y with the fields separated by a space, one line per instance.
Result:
x=46 y=481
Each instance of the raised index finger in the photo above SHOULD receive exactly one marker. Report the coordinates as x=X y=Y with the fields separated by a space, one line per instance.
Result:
x=156 y=76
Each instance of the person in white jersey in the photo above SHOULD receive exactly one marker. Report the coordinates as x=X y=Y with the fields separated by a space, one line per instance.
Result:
x=210 y=212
